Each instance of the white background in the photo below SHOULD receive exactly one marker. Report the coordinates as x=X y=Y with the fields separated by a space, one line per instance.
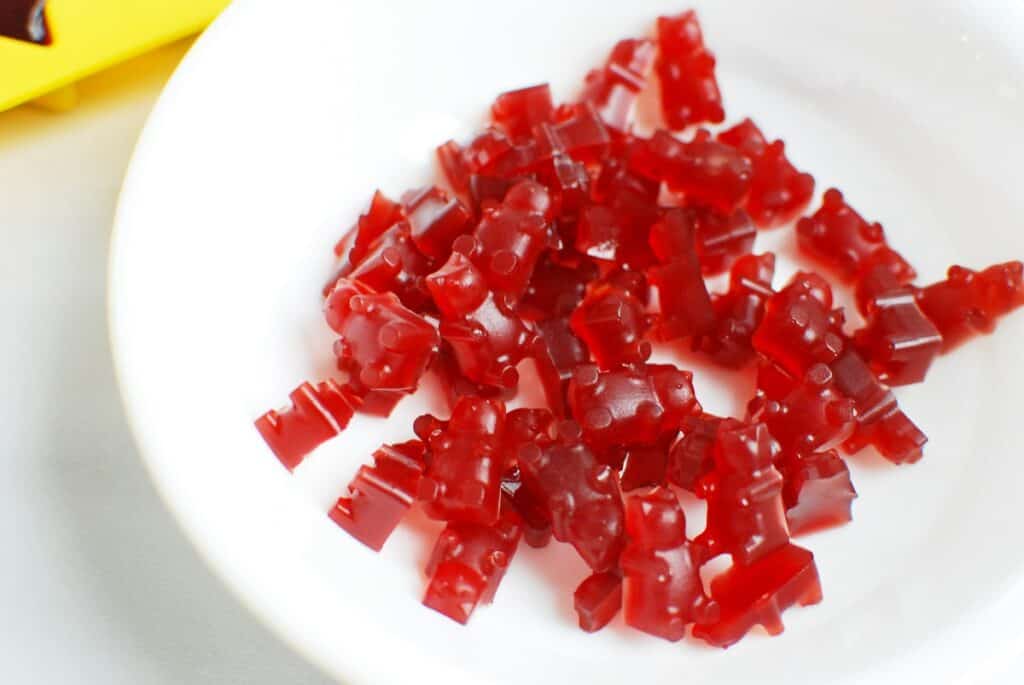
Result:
x=97 y=583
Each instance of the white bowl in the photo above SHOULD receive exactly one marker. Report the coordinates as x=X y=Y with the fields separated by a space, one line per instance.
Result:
x=273 y=135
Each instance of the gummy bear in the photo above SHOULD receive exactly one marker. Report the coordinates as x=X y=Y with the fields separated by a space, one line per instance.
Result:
x=899 y=341
x=614 y=88
x=436 y=220
x=317 y=414
x=722 y=238
x=451 y=158
x=758 y=594
x=597 y=599
x=739 y=311
x=611 y=235
x=463 y=480
x=611 y=323
x=689 y=88
x=380 y=495
x=581 y=497
x=468 y=563
x=778 y=192
x=383 y=346
x=968 y=302
x=745 y=517
x=564 y=352
x=630 y=406
x=812 y=415
x=841 y=238
x=677 y=286
x=455 y=386
x=517 y=111
x=393 y=264
x=644 y=465
x=691 y=458
x=818 y=492
x=382 y=214
x=662 y=591
x=555 y=290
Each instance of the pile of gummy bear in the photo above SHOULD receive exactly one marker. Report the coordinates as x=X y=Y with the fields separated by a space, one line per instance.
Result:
x=569 y=240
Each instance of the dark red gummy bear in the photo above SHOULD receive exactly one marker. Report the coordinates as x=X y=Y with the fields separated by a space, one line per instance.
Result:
x=516 y=112
x=463 y=479
x=555 y=289
x=380 y=495
x=597 y=599
x=969 y=302
x=778 y=192
x=614 y=88
x=662 y=590
x=746 y=518
x=899 y=341
x=391 y=263
x=581 y=497
x=630 y=406
x=818 y=492
x=813 y=414
x=611 y=323
x=739 y=311
x=758 y=594
x=436 y=220
x=689 y=88
x=644 y=465
x=677 y=286
x=841 y=238
x=880 y=422
x=691 y=458
x=383 y=346
x=487 y=336
x=317 y=414
x=468 y=562
x=799 y=329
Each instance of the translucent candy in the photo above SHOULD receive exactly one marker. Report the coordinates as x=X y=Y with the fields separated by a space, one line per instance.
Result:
x=778 y=192
x=393 y=264
x=597 y=600
x=745 y=518
x=611 y=323
x=812 y=415
x=662 y=591
x=841 y=238
x=899 y=341
x=463 y=480
x=565 y=352
x=818 y=492
x=317 y=414
x=517 y=111
x=630 y=406
x=757 y=594
x=691 y=458
x=614 y=88
x=722 y=238
x=380 y=495
x=689 y=88
x=580 y=496
x=610 y=235
x=677 y=286
x=968 y=302
x=555 y=290
x=436 y=220
x=383 y=345
x=468 y=563
x=382 y=214
x=644 y=465
x=739 y=311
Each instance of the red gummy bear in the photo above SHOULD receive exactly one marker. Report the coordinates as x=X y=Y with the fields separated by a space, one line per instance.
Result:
x=614 y=88
x=745 y=517
x=611 y=323
x=677 y=286
x=383 y=346
x=722 y=238
x=799 y=329
x=436 y=220
x=597 y=599
x=739 y=312
x=899 y=341
x=489 y=339
x=879 y=419
x=812 y=415
x=564 y=352
x=692 y=458
x=555 y=289
x=517 y=111
x=380 y=495
x=463 y=480
x=968 y=302
x=644 y=465
x=382 y=214
x=630 y=406
x=841 y=238
x=662 y=591
x=391 y=263
x=818 y=492
x=689 y=89
x=778 y=192
x=317 y=414
x=580 y=496
x=759 y=593
x=468 y=563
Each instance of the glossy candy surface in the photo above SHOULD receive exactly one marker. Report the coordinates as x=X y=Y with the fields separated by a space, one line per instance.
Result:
x=689 y=88
x=317 y=414
x=613 y=89
x=597 y=600
x=813 y=414
x=817 y=493
x=611 y=323
x=739 y=311
x=899 y=341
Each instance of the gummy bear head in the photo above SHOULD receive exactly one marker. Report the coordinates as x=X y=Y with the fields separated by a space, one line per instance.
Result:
x=674 y=388
x=744 y=449
x=338 y=305
x=458 y=287
x=655 y=520
x=477 y=416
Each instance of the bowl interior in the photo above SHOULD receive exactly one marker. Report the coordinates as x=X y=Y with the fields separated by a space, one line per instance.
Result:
x=278 y=128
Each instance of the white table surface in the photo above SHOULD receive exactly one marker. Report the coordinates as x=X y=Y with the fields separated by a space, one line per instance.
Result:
x=97 y=582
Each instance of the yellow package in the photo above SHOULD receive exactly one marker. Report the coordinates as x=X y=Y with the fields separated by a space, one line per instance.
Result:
x=48 y=44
